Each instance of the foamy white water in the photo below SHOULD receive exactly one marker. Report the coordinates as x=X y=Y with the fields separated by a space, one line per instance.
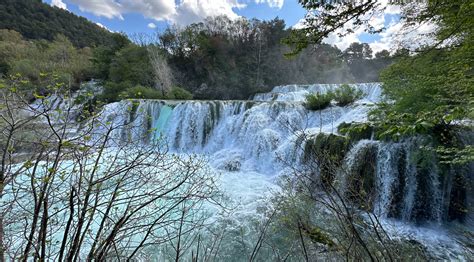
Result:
x=245 y=142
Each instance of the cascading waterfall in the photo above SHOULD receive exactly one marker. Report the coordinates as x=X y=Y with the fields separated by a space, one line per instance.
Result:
x=254 y=136
x=388 y=179
x=257 y=129
x=401 y=190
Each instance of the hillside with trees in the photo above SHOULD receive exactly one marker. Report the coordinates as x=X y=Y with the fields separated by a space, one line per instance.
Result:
x=37 y=20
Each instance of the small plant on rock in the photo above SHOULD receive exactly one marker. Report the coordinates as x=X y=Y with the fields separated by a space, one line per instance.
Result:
x=318 y=101
x=346 y=95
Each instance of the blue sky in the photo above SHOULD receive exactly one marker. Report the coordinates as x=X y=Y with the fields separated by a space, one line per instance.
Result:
x=147 y=16
x=135 y=22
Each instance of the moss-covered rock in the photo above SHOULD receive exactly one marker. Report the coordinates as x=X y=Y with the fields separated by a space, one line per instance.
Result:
x=356 y=131
x=361 y=177
x=425 y=206
x=327 y=151
x=400 y=188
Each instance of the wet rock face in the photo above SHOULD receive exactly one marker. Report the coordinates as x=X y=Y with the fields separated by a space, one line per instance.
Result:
x=326 y=152
x=233 y=165
x=396 y=180
x=461 y=185
x=400 y=188
x=361 y=178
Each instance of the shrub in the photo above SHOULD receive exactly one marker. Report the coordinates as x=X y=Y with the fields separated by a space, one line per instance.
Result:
x=113 y=91
x=345 y=95
x=179 y=93
x=141 y=92
x=25 y=67
x=318 y=101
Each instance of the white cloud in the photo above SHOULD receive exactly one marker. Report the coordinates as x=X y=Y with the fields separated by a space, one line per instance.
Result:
x=190 y=11
x=151 y=25
x=106 y=8
x=395 y=35
x=180 y=12
x=59 y=3
x=399 y=35
x=343 y=42
x=154 y=9
x=390 y=9
x=300 y=24
x=272 y=3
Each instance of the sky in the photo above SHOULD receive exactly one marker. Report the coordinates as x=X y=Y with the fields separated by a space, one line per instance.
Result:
x=148 y=16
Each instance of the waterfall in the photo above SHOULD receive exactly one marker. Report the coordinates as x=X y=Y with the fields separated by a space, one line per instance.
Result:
x=388 y=177
x=407 y=183
x=267 y=133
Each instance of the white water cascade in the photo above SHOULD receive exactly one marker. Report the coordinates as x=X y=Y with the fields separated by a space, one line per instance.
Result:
x=260 y=137
x=250 y=134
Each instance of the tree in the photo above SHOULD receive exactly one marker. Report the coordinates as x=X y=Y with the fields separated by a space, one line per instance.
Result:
x=132 y=63
x=37 y=20
x=29 y=59
x=358 y=51
x=382 y=54
x=326 y=17
x=234 y=59
x=103 y=55
x=93 y=194
x=430 y=92
x=161 y=70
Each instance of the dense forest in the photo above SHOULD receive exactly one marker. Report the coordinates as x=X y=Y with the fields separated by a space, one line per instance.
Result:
x=215 y=59
x=37 y=20
x=225 y=59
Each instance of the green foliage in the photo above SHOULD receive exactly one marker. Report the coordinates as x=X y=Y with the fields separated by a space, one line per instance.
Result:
x=356 y=131
x=31 y=59
x=295 y=215
x=132 y=64
x=179 y=94
x=456 y=155
x=215 y=62
x=430 y=92
x=318 y=101
x=140 y=92
x=37 y=20
x=328 y=17
x=345 y=95
x=126 y=90
x=357 y=51
x=112 y=91
x=362 y=65
x=103 y=55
